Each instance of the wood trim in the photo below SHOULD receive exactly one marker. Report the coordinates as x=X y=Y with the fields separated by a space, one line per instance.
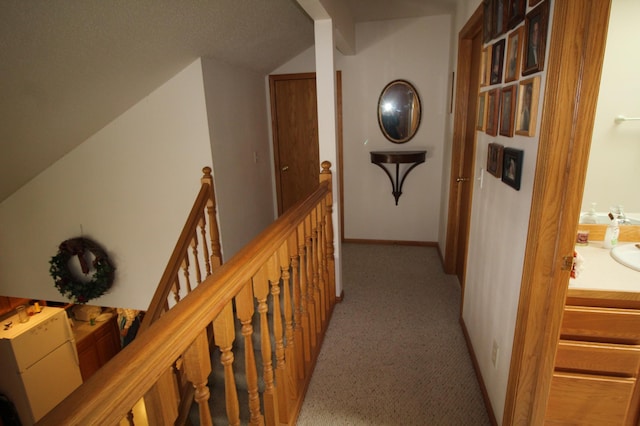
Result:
x=576 y=52
x=476 y=368
x=340 y=168
x=463 y=84
x=392 y=242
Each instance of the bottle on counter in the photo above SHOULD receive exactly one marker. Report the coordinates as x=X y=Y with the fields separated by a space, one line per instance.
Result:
x=612 y=233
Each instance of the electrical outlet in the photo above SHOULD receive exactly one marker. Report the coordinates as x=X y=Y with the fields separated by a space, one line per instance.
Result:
x=495 y=351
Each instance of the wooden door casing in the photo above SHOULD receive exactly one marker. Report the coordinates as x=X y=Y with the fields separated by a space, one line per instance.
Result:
x=463 y=150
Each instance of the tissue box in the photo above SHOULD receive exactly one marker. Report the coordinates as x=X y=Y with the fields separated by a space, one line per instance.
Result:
x=86 y=312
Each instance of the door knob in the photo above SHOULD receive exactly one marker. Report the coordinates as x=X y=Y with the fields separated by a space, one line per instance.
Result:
x=462 y=179
x=285 y=168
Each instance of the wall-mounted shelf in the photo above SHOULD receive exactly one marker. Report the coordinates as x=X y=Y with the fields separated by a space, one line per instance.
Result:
x=379 y=158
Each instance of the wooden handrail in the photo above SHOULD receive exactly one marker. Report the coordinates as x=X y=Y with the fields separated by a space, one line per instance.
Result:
x=110 y=394
x=204 y=199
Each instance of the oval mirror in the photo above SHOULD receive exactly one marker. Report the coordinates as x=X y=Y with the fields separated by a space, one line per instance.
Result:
x=399 y=111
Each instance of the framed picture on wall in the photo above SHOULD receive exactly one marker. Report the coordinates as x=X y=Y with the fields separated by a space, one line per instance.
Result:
x=500 y=9
x=481 y=122
x=486 y=65
x=515 y=12
x=493 y=110
x=514 y=55
x=487 y=23
x=528 y=94
x=535 y=29
x=512 y=167
x=483 y=67
x=497 y=61
x=494 y=159
x=507 y=109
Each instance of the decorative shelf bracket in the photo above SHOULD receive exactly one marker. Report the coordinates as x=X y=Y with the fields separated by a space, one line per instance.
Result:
x=397 y=157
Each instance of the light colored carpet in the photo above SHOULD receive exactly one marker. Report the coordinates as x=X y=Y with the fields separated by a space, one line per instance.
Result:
x=394 y=353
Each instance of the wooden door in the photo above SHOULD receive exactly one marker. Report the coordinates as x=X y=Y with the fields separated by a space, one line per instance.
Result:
x=294 y=115
x=463 y=153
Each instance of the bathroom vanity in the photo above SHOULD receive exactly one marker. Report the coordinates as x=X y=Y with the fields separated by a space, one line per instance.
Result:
x=597 y=369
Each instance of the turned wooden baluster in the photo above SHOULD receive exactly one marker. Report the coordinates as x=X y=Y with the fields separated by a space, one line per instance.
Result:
x=185 y=272
x=310 y=254
x=273 y=274
x=270 y=398
x=216 y=256
x=304 y=298
x=290 y=347
x=292 y=242
x=321 y=267
x=245 y=309
x=196 y=260
x=224 y=334
x=175 y=289
x=325 y=175
x=197 y=367
x=162 y=400
x=316 y=272
x=202 y=225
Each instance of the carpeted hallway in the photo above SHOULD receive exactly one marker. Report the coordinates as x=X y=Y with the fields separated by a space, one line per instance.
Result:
x=394 y=353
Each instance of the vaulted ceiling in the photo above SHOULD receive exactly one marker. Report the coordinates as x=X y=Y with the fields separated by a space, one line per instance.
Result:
x=68 y=68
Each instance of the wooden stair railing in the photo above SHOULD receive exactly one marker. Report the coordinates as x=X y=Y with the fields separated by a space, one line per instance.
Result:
x=186 y=262
x=287 y=273
x=196 y=255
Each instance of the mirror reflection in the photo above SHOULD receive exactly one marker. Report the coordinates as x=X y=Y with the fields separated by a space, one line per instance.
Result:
x=399 y=111
x=613 y=173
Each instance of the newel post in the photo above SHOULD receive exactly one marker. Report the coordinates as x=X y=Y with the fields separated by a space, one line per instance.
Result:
x=216 y=255
x=326 y=176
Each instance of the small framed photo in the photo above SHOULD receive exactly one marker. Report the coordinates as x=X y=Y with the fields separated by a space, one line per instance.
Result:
x=481 y=122
x=514 y=55
x=497 y=61
x=535 y=29
x=512 y=167
x=494 y=159
x=500 y=9
x=487 y=24
x=493 y=110
x=507 y=109
x=515 y=12
x=528 y=94
x=483 y=66
x=486 y=65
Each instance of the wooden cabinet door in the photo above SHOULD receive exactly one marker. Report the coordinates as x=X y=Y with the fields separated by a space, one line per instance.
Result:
x=590 y=400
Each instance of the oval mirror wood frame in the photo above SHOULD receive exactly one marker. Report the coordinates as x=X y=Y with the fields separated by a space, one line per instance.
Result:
x=399 y=111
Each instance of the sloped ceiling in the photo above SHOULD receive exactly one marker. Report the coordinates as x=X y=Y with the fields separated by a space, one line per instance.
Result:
x=68 y=67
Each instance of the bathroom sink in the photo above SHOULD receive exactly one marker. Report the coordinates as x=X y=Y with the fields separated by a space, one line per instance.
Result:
x=628 y=255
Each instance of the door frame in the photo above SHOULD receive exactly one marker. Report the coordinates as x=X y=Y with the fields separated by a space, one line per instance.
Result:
x=576 y=53
x=462 y=110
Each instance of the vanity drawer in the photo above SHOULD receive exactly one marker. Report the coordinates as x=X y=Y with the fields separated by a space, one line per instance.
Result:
x=589 y=400
x=601 y=324
x=598 y=358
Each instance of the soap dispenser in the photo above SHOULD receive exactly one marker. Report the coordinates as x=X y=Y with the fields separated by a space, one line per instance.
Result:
x=611 y=235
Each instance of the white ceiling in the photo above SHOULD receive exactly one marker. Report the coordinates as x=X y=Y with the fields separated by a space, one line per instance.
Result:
x=68 y=68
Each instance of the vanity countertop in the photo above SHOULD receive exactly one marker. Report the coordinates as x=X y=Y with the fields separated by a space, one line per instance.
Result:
x=602 y=273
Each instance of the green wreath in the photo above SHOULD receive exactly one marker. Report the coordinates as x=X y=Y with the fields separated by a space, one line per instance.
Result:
x=74 y=288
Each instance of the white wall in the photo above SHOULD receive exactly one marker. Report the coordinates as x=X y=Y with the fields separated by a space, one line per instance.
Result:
x=241 y=152
x=129 y=187
x=614 y=163
x=497 y=240
x=416 y=50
